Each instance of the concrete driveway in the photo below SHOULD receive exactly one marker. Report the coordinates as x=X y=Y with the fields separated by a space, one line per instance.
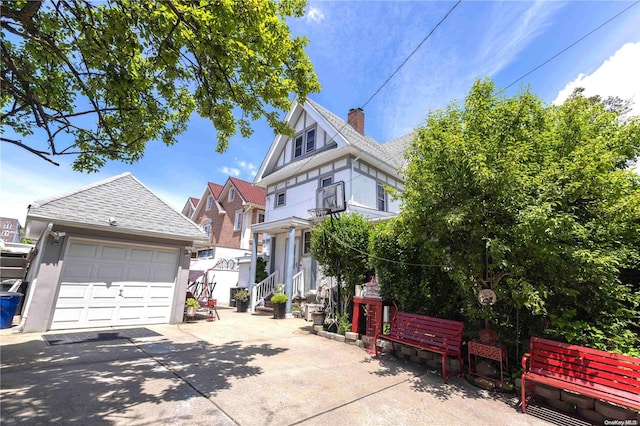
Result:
x=243 y=369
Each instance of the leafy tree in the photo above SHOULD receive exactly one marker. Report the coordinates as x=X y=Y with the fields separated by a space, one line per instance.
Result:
x=104 y=78
x=408 y=278
x=340 y=247
x=536 y=203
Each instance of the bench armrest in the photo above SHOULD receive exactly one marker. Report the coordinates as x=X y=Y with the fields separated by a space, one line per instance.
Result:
x=525 y=357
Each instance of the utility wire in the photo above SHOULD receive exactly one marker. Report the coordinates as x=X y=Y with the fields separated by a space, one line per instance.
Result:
x=343 y=243
x=411 y=54
x=339 y=131
x=571 y=45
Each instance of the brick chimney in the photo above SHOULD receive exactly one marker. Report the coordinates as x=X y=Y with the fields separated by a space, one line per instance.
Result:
x=356 y=119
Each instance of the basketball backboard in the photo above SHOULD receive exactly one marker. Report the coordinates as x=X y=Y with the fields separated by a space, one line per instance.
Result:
x=331 y=197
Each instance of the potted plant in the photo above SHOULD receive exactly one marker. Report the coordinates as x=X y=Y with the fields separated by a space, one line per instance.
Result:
x=192 y=306
x=242 y=300
x=279 y=301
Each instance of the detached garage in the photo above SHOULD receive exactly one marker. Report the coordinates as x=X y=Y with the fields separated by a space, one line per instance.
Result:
x=109 y=254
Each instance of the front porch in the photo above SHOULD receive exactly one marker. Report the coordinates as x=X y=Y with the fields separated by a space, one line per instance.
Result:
x=289 y=263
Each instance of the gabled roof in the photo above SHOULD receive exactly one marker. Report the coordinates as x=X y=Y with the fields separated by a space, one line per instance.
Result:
x=194 y=201
x=249 y=192
x=215 y=189
x=398 y=146
x=355 y=138
x=134 y=207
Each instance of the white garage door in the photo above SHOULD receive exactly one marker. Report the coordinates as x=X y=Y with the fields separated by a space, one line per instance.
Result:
x=110 y=284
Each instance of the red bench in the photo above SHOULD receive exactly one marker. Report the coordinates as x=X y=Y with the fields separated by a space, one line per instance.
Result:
x=427 y=333
x=590 y=372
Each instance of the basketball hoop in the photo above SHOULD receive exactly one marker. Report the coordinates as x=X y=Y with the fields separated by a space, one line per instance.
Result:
x=318 y=212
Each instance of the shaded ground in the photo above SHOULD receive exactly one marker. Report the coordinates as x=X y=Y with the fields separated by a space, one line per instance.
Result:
x=243 y=369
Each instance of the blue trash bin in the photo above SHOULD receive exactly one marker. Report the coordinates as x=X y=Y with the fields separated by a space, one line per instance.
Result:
x=8 y=303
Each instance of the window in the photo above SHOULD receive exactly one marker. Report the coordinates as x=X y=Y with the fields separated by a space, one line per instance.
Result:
x=237 y=224
x=306 y=246
x=209 y=202
x=260 y=217
x=311 y=140
x=204 y=254
x=326 y=181
x=382 y=199
x=280 y=200
x=304 y=143
x=207 y=228
x=5 y=233
x=7 y=225
x=232 y=194
x=298 y=147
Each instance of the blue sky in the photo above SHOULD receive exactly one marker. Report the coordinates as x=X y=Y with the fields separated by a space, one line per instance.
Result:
x=355 y=46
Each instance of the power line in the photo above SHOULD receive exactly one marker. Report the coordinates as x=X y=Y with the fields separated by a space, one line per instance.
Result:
x=411 y=54
x=338 y=131
x=571 y=45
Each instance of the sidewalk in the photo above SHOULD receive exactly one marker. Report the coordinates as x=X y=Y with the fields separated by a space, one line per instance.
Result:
x=241 y=370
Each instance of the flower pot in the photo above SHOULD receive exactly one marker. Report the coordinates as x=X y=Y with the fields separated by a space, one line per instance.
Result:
x=242 y=305
x=279 y=310
x=191 y=311
x=318 y=318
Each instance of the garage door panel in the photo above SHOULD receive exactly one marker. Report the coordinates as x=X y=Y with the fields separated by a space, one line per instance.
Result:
x=161 y=293
x=129 y=313
x=112 y=284
x=139 y=255
x=73 y=292
x=163 y=274
x=157 y=313
x=70 y=315
x=104 y=292
x=105 y=313
x=109 y=273
x=141 y=273
x=165 y=257
x=79 y=272
x=133 y=292
x=82 y=250
x=113 y=252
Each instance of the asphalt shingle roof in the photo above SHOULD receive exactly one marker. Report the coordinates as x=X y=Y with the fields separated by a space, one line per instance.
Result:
x=363 y=142
x=134 y=207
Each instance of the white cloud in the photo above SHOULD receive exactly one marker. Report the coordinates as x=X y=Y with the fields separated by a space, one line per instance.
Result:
x=511 y=30
x=231 y=171
x=249 y=168
x=617 y=76
x=315 y=14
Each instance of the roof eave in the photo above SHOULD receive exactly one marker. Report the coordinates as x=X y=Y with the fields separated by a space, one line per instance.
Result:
x=112 y=229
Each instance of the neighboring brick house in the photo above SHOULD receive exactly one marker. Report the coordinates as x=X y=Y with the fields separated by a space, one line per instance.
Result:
x=10 y=230
x=190 y=207
x=226 y=213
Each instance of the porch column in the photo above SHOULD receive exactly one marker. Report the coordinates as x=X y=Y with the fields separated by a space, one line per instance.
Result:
x=288 y=281
x=252 y=269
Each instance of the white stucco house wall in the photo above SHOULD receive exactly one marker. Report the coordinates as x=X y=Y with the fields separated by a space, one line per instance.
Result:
x=325 y=150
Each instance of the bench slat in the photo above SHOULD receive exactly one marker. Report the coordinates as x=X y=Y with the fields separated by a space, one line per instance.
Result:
x=428 y=333
x=599 y=374
x=591 y=372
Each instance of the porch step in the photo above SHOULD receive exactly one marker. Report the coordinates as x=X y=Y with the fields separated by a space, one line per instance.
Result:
x=264 y=309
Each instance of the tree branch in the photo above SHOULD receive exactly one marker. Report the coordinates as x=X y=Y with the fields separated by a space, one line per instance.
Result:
x=41 y=154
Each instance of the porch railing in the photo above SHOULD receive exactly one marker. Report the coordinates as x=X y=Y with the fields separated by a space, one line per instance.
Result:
x=262 y=290
x=298 y=285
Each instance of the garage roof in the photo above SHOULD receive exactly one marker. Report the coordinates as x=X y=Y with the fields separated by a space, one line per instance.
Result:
x=119 y=204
